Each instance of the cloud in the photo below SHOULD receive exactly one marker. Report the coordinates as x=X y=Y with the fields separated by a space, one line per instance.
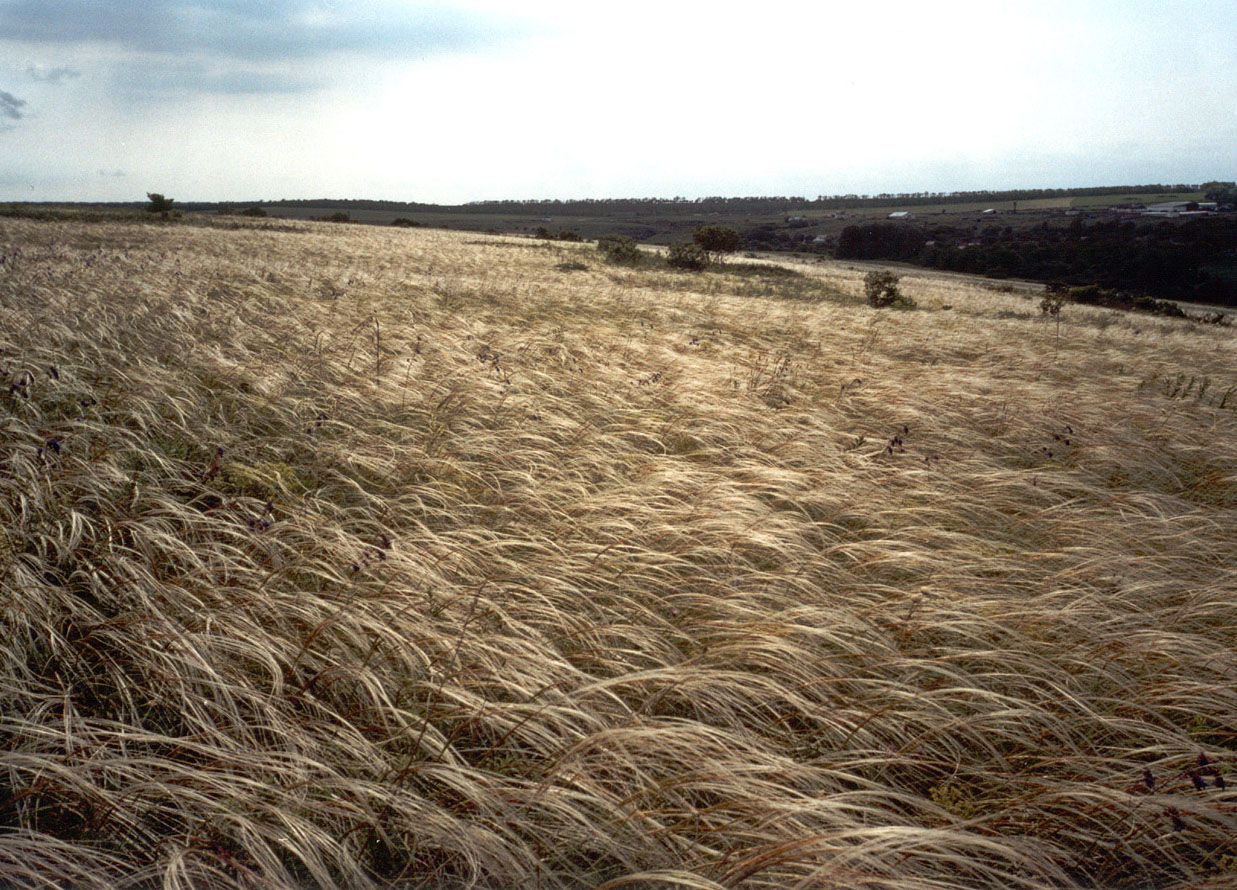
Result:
x=51 y=75
x=11 y=106
x=258 y=29
x=176 y=80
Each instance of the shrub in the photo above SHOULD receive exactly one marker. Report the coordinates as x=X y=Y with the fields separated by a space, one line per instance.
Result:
x=1089 y=295
x=404 y=222
x=881 y=289
x=158 y=203
x=566 y=235
x=686 y=255
x=716 y=240
x=621 y=250
x=253 y=211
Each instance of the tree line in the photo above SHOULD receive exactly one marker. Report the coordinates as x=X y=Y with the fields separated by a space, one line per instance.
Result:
x=1194 y=259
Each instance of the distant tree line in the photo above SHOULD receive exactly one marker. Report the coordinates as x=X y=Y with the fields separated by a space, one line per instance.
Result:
x=721 y=204
x=1194 y=259
x=880 y=241
x=784 y=203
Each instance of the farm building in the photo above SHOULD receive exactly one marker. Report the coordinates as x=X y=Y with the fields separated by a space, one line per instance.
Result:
x=1172 y=208
x=902 y=214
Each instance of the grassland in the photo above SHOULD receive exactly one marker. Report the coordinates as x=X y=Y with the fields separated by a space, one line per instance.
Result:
x=352 y=557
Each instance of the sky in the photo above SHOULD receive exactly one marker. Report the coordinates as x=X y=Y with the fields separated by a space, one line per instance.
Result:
x=448 y=102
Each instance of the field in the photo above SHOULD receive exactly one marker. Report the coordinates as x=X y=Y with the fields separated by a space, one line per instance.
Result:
x=666 y=223
x=353 y=557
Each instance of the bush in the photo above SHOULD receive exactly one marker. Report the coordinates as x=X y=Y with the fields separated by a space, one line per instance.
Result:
x=566 y=235
x=253 y=211
x=404 y=222
x=881 y=289
x=621 y=250
x=158 y=203
x=686 y=255
x=716 y=240
x=1089 y=295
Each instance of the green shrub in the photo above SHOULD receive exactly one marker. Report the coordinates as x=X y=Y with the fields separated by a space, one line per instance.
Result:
x=158 y=204
x=565 y=235
x=620 y=250
x=716 y=240
x=686 y=255
x=253 y=211
x=404 y=222
x=881 y=289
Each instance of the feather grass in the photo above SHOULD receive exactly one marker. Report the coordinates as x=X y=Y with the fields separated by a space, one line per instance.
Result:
x=336 y=557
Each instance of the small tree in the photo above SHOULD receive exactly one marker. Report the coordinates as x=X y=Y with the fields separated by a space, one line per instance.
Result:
x=716 y=240
x=881 y=289
x=158 y=204
x=686 y=255
x=1050 y=306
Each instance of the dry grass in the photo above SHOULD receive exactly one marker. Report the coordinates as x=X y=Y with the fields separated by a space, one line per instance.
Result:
x=354 y=558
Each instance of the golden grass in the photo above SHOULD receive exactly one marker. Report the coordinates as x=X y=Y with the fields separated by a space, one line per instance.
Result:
x=342 y=557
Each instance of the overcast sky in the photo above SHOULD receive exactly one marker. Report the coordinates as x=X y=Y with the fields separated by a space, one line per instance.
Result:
x=465 y=100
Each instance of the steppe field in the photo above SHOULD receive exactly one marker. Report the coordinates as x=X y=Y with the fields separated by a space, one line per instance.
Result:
x=348 y=557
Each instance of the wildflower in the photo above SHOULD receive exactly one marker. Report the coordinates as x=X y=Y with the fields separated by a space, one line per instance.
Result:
x=1197 y=779
x=1148 y=780
x=1178 y=825
x=1220 y=782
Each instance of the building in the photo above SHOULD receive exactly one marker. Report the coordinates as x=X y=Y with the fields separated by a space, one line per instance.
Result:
x=1177 y=208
